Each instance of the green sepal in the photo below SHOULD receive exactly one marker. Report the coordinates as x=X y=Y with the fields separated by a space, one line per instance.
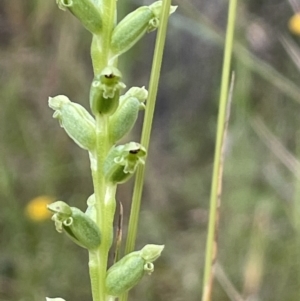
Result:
x=85 y=11
x=122 y=161
x=123 y=120
x=80 y=228
x=128 y=271
x=151 y=252
x=105 y=91
x=135 y=25
x=75 y=119
x=156 y=8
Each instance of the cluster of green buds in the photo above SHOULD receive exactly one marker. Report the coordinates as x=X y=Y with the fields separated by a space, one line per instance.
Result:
x=127 y=32
x=120 y=164
x=80 y=125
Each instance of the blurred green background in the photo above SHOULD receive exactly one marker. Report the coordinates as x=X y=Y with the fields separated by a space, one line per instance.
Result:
x=45 y=52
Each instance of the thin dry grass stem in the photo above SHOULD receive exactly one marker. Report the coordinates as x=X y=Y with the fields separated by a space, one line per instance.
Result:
x=275 y=146
x=292 y=49
x=208 y=291
x=226 y=284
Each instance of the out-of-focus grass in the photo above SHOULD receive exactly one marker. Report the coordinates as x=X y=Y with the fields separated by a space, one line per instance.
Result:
x=45 y=52
x=40 y=55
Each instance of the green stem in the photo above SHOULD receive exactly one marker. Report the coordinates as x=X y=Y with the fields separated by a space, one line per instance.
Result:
x=94 y=274
x=104 y=193
x=105 y=207
x=99 y=189
x=207 y=283
x=147 y=126
x=100 y=49
x=109 y=11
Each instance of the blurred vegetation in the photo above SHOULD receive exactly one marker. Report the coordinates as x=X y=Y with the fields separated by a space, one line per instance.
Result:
x=45 y=52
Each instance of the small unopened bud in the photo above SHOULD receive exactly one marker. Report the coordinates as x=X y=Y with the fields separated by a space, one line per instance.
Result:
x=135 y=25
x=76 y=121
x=122 y=161
x=105 y=91
x=123 y=120
x=128 y=271
x=80 y=228
x=85 y=11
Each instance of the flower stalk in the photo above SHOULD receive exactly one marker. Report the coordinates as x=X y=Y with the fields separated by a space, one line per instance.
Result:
x=114 y=116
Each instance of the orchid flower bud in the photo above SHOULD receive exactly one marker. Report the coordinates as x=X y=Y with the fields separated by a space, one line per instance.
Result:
x=80 y=228
x=85 y=11
x=122 y=161
x=105 y=91
x=123 y=120
x=76 y=121
x=135 y=25
x=128 y=271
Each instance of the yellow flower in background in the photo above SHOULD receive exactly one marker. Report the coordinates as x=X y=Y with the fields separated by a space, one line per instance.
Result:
x=36 y=209
x=294 y=24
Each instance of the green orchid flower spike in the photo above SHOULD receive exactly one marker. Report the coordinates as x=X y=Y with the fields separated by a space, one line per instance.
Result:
x=112 y=117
